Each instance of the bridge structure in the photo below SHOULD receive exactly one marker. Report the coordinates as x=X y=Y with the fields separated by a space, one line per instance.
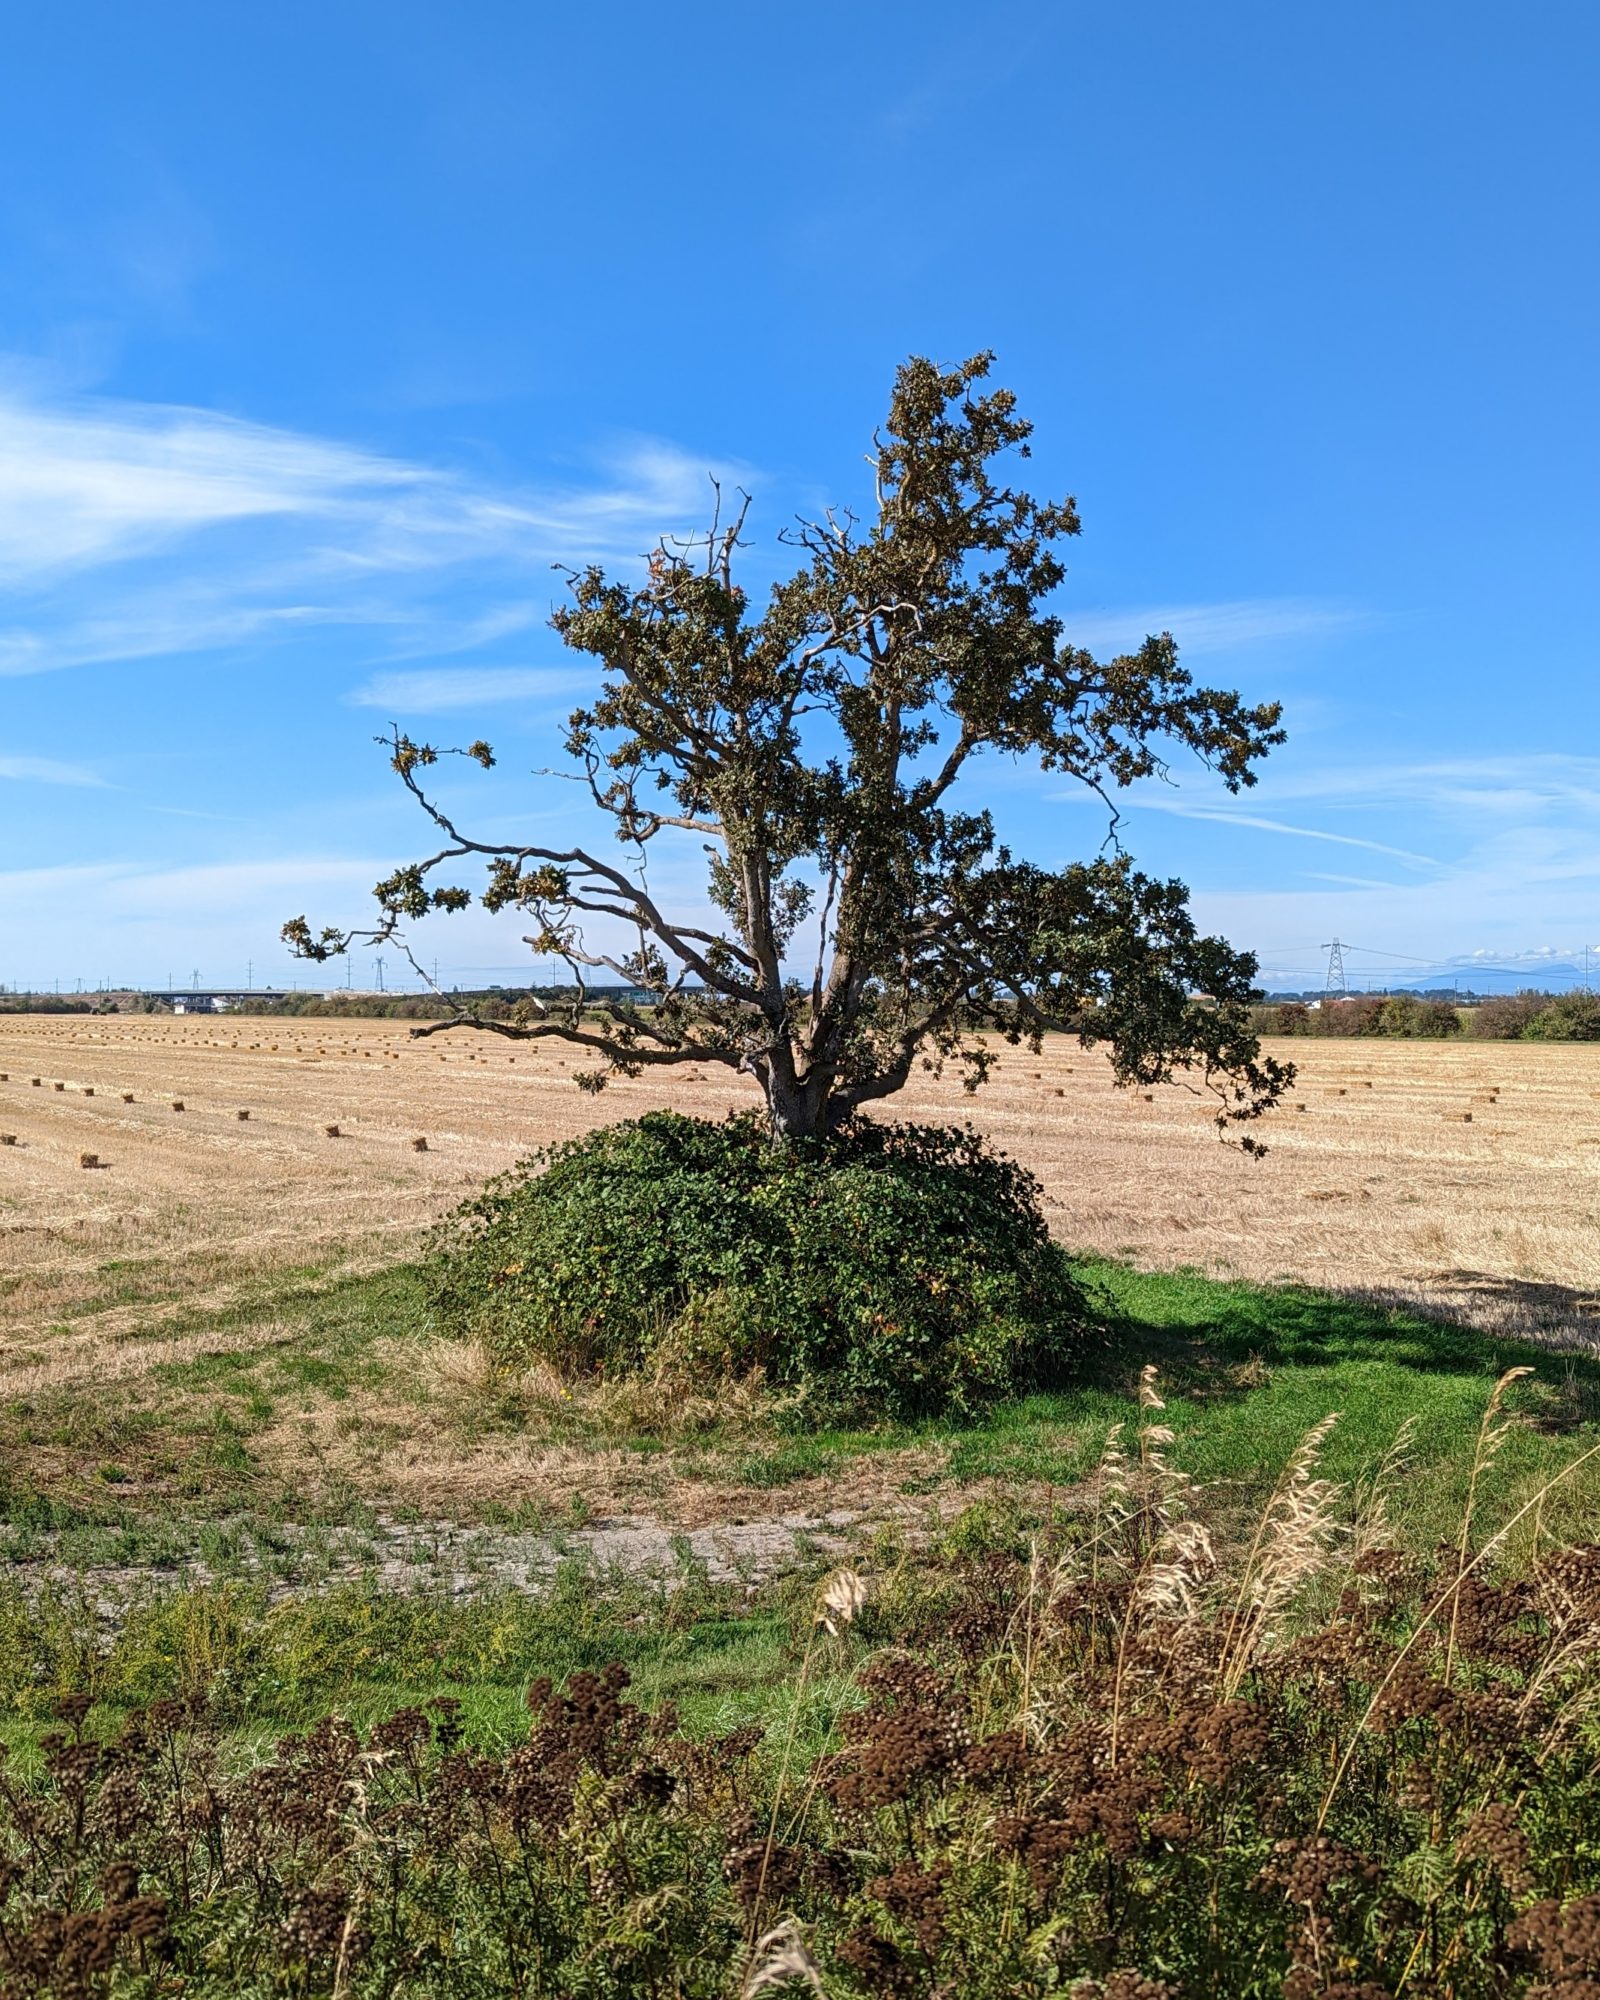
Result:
x=215 y=999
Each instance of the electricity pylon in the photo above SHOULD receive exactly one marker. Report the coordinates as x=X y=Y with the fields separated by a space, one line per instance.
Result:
x=1336 y=978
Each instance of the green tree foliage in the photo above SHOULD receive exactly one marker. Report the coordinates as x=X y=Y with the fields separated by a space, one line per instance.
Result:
x=1350 y=1017
x=815 y=750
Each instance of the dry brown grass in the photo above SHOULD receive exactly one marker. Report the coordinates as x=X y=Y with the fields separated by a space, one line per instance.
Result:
x=1378 y=1185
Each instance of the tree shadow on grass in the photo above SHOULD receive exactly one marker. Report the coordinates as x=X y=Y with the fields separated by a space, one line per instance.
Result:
x=1558 y=1318
x=1198 y=1326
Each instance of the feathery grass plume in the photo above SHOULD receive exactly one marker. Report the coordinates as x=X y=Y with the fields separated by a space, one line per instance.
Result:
x=1172 y=1582
x=841 y=1600
x=1163 y=1488
x=1371 y=1528
x=1491 y=1436
x=1170 y=1554
x=1031 y=1650
x=1112 y=1498
x=781 y=1960
x=1294 y=1532
x=838 y=1603
x=1574 y=1643
x=1036 y=1590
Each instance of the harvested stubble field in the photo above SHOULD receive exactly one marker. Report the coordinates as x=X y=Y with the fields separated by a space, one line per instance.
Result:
x=1462 y=1178
x=219 y=1323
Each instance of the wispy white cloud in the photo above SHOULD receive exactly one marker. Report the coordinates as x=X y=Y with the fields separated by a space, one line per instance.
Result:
x=464 y=635
x=133 y=918
x=86 y=483
x=47 y=771
x=1211 y=628
x=1505 y=883
x=133 y=531
x=1225 y=816
x=1345 y=881
x=144 y=628
x=1506 y=786
x=227 y=887
x=441 y=690
x=141 y=920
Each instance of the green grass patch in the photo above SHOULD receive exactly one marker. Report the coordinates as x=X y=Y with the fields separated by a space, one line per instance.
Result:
x=1245 y=1369
x=723 y=1657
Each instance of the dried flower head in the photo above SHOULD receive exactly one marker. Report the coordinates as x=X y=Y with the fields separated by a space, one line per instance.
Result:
x=779 y=1959
x=842 y=1597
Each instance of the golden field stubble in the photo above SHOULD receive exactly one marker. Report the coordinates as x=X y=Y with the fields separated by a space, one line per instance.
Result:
x=1382 y=1183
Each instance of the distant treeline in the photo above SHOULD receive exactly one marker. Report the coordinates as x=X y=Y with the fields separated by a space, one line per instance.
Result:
x=55 y=1003
x=1511 y=1017
x=364 y=1006
x=396 y=1007
x=490 y=1005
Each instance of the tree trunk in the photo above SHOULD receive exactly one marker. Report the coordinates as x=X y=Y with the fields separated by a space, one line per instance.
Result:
x=798 y=1106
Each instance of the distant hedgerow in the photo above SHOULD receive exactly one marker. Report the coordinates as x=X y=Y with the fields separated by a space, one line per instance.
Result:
x=1569 y=1017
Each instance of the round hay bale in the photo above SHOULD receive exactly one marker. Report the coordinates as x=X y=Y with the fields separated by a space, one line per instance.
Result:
x=8 y=1138
x=177 y=1104
x=127 y=1097
x=419 y=1145
x=241 y=1116
x=332 y=1132
x=88 y=1159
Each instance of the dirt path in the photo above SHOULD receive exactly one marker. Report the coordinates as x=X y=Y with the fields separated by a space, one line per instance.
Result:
x=443 y=1557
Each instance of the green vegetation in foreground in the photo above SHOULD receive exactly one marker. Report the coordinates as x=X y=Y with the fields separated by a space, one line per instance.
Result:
x=1161 y=1829
x=1114 y=1764
x=724 y=1656
x=1245 y=1372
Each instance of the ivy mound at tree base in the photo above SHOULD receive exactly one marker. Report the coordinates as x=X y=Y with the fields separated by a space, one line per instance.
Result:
x=894 y=1269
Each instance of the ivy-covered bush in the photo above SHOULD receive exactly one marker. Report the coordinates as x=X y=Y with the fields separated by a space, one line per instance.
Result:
x=893 y=1270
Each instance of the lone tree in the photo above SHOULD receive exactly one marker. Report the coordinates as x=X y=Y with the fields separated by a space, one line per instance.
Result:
x=815 y=751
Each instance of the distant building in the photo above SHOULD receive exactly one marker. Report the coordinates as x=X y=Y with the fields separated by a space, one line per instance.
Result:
x=215 y=1002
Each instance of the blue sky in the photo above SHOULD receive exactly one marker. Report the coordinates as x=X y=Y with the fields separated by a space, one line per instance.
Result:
x=324 y=331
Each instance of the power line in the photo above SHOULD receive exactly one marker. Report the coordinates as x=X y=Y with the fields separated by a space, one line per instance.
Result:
x=1404 y=958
